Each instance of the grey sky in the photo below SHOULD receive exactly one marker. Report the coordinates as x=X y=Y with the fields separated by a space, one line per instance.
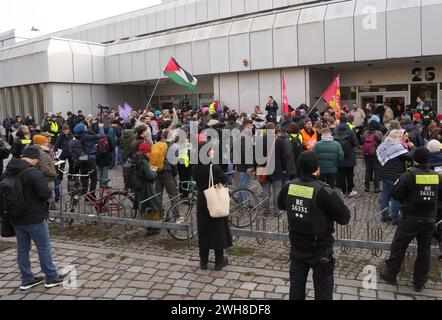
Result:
x=55 y=15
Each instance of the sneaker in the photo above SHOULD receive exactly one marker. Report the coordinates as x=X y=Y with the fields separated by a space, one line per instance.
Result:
x=60 y=281
x=386 y=277
x=35 y=282
x=353 y=194
x=219 y=267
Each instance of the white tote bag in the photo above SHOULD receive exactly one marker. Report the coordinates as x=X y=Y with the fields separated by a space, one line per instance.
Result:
x=218 y=198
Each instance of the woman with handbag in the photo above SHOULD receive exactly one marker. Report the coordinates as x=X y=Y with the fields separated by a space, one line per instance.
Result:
x=213 y=233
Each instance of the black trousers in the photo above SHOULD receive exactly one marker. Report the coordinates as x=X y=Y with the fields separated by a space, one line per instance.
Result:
x=322 y=263
x=329 y=178
x=185 y=174
x=372 y=168
x=408 y=230
x=89 y=167
x=219 y=255
x=345 y=179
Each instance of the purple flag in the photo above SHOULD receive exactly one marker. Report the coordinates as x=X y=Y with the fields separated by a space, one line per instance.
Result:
x=125 y=111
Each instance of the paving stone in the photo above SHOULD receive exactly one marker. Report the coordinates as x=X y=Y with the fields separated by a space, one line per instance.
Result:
x=232 y=275
x=264 y=287
x=402 y=297
x=209 y=288
x=347 y=290
x=249 y=286
x=241 y=293
x=220 y=282
x=221 y=296
x=157 y=294
x=349 y=297
x=178 y=291
x=282 y=289
x=182 y=283
x=142 y=293
x=113 y=293
x=204 y=296
x=263 y=280
x=140 y=284
x=135 y=269
x=257 y=295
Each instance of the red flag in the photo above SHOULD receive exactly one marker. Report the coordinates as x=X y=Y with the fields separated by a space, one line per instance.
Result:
x=285 y=101
x=333 y=96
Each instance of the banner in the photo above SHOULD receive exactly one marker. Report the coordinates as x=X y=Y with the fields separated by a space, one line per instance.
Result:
x=125 y=111
x=285 y=101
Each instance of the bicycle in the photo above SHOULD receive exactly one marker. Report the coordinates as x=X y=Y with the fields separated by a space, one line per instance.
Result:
x=244 y=208
x=116 y=204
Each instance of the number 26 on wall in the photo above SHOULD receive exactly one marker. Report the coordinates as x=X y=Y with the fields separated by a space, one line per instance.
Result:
x=429 y=73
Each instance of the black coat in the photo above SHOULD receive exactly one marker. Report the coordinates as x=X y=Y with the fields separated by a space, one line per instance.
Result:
x=35 y=191
x=212 y=233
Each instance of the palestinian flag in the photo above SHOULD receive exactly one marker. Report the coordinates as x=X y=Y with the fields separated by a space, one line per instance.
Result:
x=179 y=75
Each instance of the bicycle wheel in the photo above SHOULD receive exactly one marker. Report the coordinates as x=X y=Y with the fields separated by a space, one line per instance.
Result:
x=119 y=205
x=187 y=210
x=243 y=208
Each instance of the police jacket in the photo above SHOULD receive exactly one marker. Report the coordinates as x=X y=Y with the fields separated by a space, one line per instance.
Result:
x=418 y=191
x=312 y=208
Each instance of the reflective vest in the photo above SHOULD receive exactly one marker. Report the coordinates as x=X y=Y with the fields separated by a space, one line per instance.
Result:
x=304 y=216
x=423 y=198
x=296 y=136
x=352 y=126
x=25 y=141
x=309 y=141
x=54 y=128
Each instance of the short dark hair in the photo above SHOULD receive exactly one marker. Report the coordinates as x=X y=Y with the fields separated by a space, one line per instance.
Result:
x=140 y=129
x=344 y=119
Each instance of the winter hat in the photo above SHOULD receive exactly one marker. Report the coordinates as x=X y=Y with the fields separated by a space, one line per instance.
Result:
x=157 y=113
x=434 y=146
x=421 y=155
x=31 y=152
x=79 y=128
x=40 y=140
x=308 y=162
x=144 y=147
x=375 y=118
x=205 y=110
x=65 y=127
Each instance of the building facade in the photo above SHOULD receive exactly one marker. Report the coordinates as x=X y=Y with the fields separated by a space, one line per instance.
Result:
x=384 y=50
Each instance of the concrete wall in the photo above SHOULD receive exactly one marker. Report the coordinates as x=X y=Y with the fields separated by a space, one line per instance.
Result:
x=243 y=91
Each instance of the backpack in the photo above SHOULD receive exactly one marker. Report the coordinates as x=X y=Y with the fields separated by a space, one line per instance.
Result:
x=370 y=144
x=76 y=151
x=12 y=201
x=158 y=156
x=130 y=175
x=5 y=149
x=103 y=146
x=297 y=146
x=344 y=141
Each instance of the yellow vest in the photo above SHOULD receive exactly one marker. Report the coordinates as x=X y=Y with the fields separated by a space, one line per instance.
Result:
x=352 y=126
x=54 y=128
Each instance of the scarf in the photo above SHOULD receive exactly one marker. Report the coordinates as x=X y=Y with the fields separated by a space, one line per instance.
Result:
x=390 y=150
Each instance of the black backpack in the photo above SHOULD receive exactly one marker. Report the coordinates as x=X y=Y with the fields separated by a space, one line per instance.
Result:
x=5 y=149
x=297 y=146
x=12 y=200
x=130 y=175
x=76 y=150
x=344 y=141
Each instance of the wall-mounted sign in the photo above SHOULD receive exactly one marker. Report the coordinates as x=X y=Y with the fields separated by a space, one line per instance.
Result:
x=421 y=74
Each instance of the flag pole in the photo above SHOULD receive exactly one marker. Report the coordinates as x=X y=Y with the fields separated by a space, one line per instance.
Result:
x=153 y=92
x=314 y=106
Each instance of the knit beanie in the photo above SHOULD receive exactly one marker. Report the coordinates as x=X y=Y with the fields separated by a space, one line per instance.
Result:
x=39 y=140
x=79 y=128
x=144 y=148
x=31 y=152
x=308 y=163
x=421 y=155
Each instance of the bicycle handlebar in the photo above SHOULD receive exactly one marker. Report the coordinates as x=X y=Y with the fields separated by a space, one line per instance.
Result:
x=66 y=173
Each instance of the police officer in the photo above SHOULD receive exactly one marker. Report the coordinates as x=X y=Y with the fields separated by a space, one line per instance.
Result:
x=418 y=191
x=312 y=208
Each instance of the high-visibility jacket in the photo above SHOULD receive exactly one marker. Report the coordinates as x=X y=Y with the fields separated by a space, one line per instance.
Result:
x=296 y=136
x=352 y=126
x=213 y=108
x=54 y=128
x=309 y=141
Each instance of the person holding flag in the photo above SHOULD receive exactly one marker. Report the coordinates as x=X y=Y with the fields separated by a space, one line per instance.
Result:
x=333 y=97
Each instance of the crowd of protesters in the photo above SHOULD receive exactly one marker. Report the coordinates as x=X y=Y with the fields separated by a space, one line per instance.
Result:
x=94 y=144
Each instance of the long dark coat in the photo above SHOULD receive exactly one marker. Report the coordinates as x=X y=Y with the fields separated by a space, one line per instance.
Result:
x=212 y=233
x=147 y=176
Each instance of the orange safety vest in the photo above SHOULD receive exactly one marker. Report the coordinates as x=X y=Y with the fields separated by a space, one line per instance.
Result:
x=309 y=141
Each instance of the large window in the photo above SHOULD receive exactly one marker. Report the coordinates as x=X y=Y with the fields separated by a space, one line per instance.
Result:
x=427 y=92
x=384 y=88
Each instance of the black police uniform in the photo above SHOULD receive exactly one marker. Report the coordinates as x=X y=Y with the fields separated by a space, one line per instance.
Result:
x=418 y=190
x=312 y=208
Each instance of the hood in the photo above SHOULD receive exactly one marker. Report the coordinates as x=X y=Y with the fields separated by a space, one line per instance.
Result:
x=409 y=127
x=436 y=157
x=323 y=138
x=15 y=166
x=343 y=127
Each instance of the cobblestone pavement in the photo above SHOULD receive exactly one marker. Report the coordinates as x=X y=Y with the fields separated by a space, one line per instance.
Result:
x=113 y=274
x=114 y=263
